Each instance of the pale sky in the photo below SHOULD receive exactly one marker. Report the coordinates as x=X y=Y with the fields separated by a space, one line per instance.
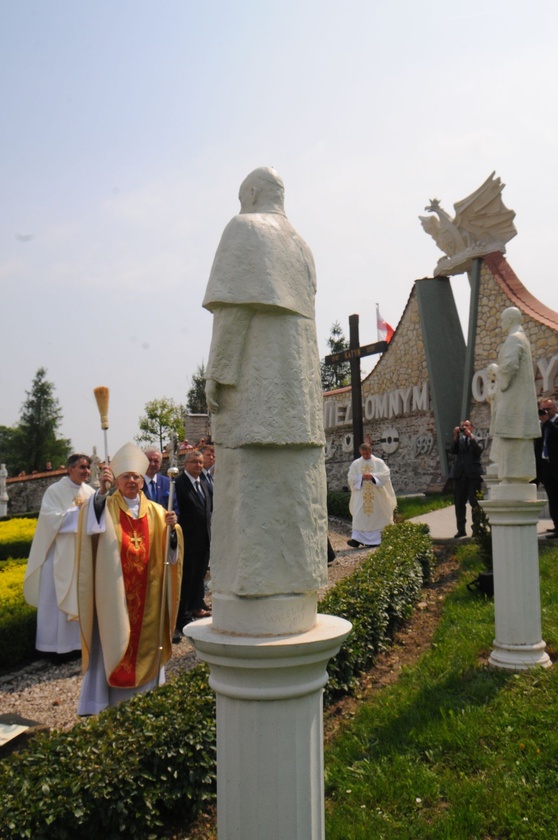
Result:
x=128 y=127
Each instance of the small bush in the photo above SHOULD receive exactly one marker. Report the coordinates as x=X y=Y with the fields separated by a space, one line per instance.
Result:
x=377 y=599
x=119 y=774
x=16 y=536
x=338 y=503
x=18 y=621
x=482 y=534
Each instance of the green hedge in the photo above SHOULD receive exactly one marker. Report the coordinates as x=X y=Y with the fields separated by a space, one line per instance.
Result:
x=377 y=599
x=338 y=503
x=18 y=548
x=119 y=774
x=122 y=773
x=18 y=621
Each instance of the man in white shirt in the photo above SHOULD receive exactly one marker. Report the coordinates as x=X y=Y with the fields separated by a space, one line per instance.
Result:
x=50 y=576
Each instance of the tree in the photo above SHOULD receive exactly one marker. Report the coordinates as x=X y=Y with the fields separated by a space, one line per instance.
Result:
x=10 y=449
x=196 y=402
x=40 y=419
x=336 y=376
x=162 y=418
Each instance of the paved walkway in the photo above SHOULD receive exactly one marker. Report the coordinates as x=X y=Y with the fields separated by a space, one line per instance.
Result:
x=443 y=527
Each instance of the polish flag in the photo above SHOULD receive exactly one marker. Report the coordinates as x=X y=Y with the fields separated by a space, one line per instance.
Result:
x=385 y=332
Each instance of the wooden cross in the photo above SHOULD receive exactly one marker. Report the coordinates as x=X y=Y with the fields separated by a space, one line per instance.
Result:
x=353 y=355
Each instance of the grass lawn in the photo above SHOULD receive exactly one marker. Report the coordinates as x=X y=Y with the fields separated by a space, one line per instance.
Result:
x=454 y=750
x=409 y=506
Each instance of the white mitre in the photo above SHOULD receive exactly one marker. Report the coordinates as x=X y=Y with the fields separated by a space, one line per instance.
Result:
x=129 y=458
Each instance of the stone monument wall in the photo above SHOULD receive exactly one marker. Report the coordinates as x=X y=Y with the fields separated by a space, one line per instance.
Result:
x=397 y=414
x=398 y=395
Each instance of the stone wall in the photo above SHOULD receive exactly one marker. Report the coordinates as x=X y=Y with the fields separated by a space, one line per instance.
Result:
x=25 y=493
x=397 y=414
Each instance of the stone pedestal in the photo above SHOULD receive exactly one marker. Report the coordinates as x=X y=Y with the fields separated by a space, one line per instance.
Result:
x=269 y=727
x=513 y=511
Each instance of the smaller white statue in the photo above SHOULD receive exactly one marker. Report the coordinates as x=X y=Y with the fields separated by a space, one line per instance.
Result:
x=491 y=392
x=515 y=421
x=482 y=225
x=95 y=469
x=3 y=491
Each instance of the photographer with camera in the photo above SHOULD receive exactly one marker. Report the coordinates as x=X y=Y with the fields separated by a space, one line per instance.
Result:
x=466 y=472
x=546 y=455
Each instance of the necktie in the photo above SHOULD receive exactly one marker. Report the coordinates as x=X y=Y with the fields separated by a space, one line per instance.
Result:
x=199 y=490
x=153 y=490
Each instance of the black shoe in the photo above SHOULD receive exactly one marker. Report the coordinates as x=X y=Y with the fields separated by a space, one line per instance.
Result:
x=552 y=536
x=354 y=543
x=460 y=534
x=178 y=636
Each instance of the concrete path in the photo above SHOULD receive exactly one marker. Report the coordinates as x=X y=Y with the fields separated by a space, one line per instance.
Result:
x=443 y=527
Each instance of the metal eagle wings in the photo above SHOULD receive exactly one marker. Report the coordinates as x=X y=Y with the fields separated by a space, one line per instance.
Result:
x=482 y=225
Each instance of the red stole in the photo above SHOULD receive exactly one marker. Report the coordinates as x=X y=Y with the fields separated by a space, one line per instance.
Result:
x=134 y=557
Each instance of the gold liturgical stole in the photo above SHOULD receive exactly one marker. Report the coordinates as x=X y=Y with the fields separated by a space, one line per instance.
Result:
x=367 y=490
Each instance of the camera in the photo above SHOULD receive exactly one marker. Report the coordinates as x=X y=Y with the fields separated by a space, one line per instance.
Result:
x=542 y=412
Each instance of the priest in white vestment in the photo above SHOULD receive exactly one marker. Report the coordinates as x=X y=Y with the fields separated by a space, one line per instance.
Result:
x=50 y=576
x=372 y=498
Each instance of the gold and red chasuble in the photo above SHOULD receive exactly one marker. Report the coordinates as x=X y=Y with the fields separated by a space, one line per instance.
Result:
x=134 y=556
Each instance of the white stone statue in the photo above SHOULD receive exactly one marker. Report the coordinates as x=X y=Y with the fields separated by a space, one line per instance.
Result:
x=4 y=498
x=491 y=394
x=515 y=422
x=269 y=531
x=482 y=225
x=95 y=469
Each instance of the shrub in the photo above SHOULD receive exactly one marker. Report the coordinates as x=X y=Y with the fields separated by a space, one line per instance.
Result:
x=119 y=774
x=18 y=621
x=482 y=533
x=377 y=599
x=338 y=503
x=16 y=536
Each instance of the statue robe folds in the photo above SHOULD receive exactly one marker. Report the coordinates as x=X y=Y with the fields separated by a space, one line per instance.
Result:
x=120 y=575
x=516 y=422
x=269 y=532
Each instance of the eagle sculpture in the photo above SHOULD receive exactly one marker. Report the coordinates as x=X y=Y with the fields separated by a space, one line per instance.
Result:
x=482 y=225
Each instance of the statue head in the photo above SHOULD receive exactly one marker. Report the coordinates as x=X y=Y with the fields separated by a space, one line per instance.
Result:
x=262 y=191
x=511 y=317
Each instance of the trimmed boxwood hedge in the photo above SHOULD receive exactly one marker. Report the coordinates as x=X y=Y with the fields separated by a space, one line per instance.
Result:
x=18 y=621
x=124 y=772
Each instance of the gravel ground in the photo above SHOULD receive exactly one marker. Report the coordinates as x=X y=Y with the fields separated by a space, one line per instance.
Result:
x=47 y=692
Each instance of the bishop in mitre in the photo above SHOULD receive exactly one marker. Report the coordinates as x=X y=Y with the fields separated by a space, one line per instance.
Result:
x=122 y=543
x=372 y=498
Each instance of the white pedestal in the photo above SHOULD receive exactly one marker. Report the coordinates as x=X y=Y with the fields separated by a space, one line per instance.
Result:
x=269 y=728
x=513 y=512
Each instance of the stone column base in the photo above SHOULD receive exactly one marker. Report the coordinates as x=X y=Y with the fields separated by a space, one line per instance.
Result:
x=513 y=512
x=269 y=728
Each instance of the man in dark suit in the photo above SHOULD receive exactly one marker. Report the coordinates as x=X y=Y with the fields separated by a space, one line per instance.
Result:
x=155 y=486
x=194 y=517
x=208 y=452
x=546 y=456
x=466 y=472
